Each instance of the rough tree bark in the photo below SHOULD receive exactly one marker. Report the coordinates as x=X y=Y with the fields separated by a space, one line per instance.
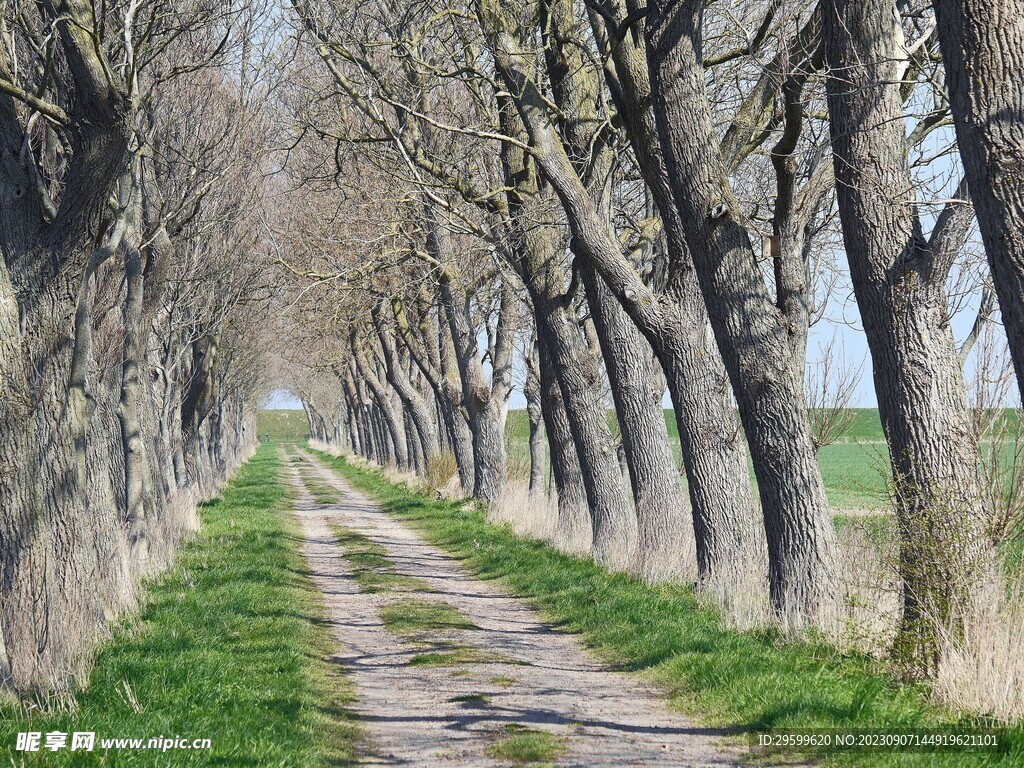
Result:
x=535 y=414
x=982 y=45
x=574 y=530
x=417 y=408
x=451 y=387
x=899 y=281
x=752 y=332
x=390 y=414
x=140 y=496
x=673 y=322
x=729 y=535
x=483 y=401
x=46 y=254
x=658 y=499
x=614 y=522
x=657 y=494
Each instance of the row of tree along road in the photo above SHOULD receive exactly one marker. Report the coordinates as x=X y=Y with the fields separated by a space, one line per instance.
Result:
x=130 y=320
x=599 y=200
x=405 y=211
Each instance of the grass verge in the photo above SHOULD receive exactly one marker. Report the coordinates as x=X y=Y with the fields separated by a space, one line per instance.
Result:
x=230 y=645
x=749 y=681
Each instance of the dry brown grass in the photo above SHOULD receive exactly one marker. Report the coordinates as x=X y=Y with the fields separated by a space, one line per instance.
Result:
x=528 y=514
x=441 y=478
x=403 y=477
x=741 y=597
x=336 y=451
x=865 y=616
x=981 y=667
x=982 y=664
x=869 y=612
x=517 y=465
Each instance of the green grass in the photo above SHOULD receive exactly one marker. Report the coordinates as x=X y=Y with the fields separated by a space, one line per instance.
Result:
x=443 y=658
x=752 y=681
x=230 y=646
x=321 y=492
x=456 y=655
x=414 y=617
x=526 y=745
x=855 y=475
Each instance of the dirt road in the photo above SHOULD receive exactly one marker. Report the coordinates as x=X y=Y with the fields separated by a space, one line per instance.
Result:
x=502 y=685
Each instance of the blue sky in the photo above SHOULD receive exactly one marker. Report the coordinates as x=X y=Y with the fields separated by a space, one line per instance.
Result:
x=282 y=399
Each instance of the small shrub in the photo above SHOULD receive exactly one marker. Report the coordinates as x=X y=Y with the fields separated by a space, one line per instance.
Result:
x=441 y=478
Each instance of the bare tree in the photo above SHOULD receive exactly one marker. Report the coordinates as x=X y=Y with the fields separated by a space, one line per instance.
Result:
x=84 y=272
x=751 y=329
x=899 y=278
x=981 y=43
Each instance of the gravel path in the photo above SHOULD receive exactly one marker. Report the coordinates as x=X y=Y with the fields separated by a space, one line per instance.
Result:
x=522 y=672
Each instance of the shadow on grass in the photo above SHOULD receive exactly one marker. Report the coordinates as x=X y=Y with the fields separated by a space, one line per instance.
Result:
x=231 y=645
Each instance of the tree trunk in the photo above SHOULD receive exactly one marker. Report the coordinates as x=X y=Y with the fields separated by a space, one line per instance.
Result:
x=614 y=521
x=751 y=332
x=26 y=567
x=535 y=414
x=574 y=531
x=482 y=409
x=899 y=280
x=138 y=478
x=361 y=439
x=983 y=51
x=455 y=413
x=411 y=397
x=390 y=414
x=666 y=548
x=724 y=515
x=50 y=587
x=537 y=252
x=730 y=540
x=197 y=401
x=355 y=438
x=417 y=462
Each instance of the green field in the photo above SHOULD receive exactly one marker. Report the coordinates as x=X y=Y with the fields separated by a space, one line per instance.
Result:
x=854 y=468
x=282 y=425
